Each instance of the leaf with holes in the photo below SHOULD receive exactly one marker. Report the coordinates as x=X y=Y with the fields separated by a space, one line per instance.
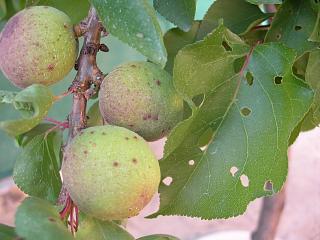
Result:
x=237 y=15
x=38 y=219
x=32 y=104
x=36 y=171
x=258 y=2
x=158 y=237
x=293 y=24
x=251 y=113
x=7 y=233
x=91 y=228
x=135 y=23
x=179 y=12
x=175 y=39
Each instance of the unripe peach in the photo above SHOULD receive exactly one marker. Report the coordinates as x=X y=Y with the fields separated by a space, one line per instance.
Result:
x=110 y=172
x=37 y=45
x=140 y=96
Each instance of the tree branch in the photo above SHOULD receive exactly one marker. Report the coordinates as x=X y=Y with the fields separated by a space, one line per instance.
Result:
x=88 y=78
x=88 y=74
x=270 y=216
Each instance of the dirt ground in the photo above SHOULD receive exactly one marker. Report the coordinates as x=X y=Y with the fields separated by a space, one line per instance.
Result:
x=300 y=221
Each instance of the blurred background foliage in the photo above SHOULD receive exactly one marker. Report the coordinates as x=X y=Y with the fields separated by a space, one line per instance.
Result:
x=119 y=53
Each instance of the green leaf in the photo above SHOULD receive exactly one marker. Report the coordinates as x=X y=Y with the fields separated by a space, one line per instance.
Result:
x=76 y=12
x=33 y=104
x=293 y=24
x=158 y=237
x=237 y=15
x=36 y=171
x=94 y=115
x=253 y=37
x=3 y=9
x=258 y=2
x=312 y=77
x=38 y=219
x=315 y=35
x=175 y=39
x=91 y=228
x=135 y=23
x=7 y=233
x=179 y=12
x=216 y=53
x=251 y=117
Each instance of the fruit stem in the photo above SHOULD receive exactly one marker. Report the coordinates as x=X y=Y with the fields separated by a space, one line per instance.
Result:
x=86 y=83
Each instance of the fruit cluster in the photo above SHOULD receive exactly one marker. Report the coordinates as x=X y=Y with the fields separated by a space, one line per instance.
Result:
x=109 y=170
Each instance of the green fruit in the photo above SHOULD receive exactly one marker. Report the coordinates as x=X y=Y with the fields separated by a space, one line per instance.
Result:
x=37 y=45
x=110 y=172
x=140 y=96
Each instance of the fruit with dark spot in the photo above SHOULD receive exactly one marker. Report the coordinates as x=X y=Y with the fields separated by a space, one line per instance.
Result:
x=37 y=45
x=116 y=178
x=140 y=96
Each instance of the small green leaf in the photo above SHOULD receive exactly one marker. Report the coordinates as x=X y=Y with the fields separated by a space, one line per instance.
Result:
x=94 y=115
x=135 y=23
x=258 y=2
x=3 y=9
x=216 y=53
x=7 y=233
x=76 y=12
x=158 y=237
x=312 y=77
x=175 y=39
x=179 y=12
x=315 y=35
x=91 y=228
x=38 y=219
x=36 y=171
x=33 y=104
x=251 y=113
x=293 y=24
x=237 y=15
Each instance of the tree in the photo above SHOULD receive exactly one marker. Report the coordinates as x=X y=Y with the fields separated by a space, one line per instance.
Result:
x=245 y=75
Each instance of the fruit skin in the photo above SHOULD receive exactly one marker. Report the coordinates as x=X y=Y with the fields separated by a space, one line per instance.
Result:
x=110 y=172
x=37 y=45
x=140 y=96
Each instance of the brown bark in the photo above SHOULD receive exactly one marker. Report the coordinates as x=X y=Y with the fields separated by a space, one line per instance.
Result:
x=88 y=78
x=270 y=216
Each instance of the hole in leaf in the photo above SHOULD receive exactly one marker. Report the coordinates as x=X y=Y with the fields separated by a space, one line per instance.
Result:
x=238 y=63
x=205 y=138
x=297 y=28
x=268 y=186
x=226 y=46
x=167 y=181
x=233 y=170
x=278 y=36
x=197 y=100
x=244 y=180
x=278 y=80
x=191 y=162
x=249 y=78
x=245 y=111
